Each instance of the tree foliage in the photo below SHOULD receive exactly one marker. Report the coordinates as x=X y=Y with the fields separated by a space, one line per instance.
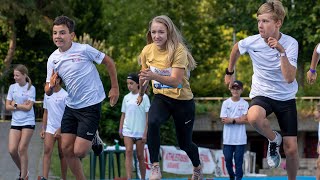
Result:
x=210 y=28
x=33 y=14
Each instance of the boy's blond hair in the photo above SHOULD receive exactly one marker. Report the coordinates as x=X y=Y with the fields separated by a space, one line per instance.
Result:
x=274 y=7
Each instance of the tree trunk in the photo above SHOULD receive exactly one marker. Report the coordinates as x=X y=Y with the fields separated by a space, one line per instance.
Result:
x=12 y=38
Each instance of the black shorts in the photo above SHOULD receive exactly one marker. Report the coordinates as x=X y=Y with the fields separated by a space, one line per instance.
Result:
x=23 y=127
x=285 y=111
x=135 y=139
x=82 y=122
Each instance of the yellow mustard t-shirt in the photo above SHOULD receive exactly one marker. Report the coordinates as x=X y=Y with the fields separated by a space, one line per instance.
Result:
x=157 y=60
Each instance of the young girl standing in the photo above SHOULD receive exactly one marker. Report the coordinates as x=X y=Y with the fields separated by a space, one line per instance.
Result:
x=20 y=100
x=134 y=124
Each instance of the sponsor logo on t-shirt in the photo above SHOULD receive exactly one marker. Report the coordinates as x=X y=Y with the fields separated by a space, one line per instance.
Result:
x=76 y=60
x=98 y=55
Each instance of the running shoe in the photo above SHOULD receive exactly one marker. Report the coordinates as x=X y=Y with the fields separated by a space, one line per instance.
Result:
x=155 y=172
x=197 y=174
x=25 y=178
x=41 y=178
x=97 y=144
x=273 y=155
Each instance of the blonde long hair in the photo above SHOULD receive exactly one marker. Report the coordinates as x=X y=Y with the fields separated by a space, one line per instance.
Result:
x=23 y=70
x=173 y=40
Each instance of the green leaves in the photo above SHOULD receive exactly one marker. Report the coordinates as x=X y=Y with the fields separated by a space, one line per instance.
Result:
x=119 y=27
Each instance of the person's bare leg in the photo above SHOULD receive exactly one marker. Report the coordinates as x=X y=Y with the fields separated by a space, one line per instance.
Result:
x=63 y=162
x=49 y=141
x=290 y=147
x=257 y=118
x=74 y=163
x=318 y=168
x=13 y=145
x=82 y=147
x=140 y=155
x=128 y=142
x=26 y=135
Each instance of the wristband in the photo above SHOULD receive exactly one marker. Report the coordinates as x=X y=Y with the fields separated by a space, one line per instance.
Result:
x=120 y=130
x=312 y=70
x=43 y=127
x=282 y=54
x=228 y=72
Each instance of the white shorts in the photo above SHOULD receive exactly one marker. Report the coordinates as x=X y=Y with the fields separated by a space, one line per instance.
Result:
x=50 y=129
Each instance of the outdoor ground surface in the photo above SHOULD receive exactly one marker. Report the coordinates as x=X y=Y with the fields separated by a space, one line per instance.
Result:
x=271 y=178
x=253 y=178
x=9 y=171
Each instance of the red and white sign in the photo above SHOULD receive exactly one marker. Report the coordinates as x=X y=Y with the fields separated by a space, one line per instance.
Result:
x=177 y=161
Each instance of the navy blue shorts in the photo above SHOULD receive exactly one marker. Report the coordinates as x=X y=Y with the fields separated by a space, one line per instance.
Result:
x=23 y=127
x=285 y=111
x=82 y=122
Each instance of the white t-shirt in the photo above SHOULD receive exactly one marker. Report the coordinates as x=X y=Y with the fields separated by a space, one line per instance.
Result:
x=80 y=75
x=135 y=116
x=318 y=49
x=21 y=94
x=318 y=144
x=267 y=78
x=234 y=134
x=319 y=132
x=55 y=105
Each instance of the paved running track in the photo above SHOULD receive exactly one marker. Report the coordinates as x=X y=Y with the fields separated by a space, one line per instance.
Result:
x=8 y=170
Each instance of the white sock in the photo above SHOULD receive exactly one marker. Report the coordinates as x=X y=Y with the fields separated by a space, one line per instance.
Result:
x=275 y=139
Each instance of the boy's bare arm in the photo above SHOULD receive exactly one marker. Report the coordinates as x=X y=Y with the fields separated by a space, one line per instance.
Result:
x=114 y=91
x=234 y=56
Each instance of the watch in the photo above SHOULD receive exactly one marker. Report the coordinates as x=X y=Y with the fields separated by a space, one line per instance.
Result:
x=15 y=106
x=234 y=121
x=282 y=54
x=228 y=72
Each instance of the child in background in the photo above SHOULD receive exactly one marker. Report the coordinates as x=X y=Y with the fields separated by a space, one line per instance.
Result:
x=311 y=79
x=317 y=117
x=134 y=124
x=20 y=100
x=234 y=117
x=54 y=106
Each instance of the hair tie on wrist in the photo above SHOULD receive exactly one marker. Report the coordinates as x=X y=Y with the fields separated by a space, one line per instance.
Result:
x=312 y=70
